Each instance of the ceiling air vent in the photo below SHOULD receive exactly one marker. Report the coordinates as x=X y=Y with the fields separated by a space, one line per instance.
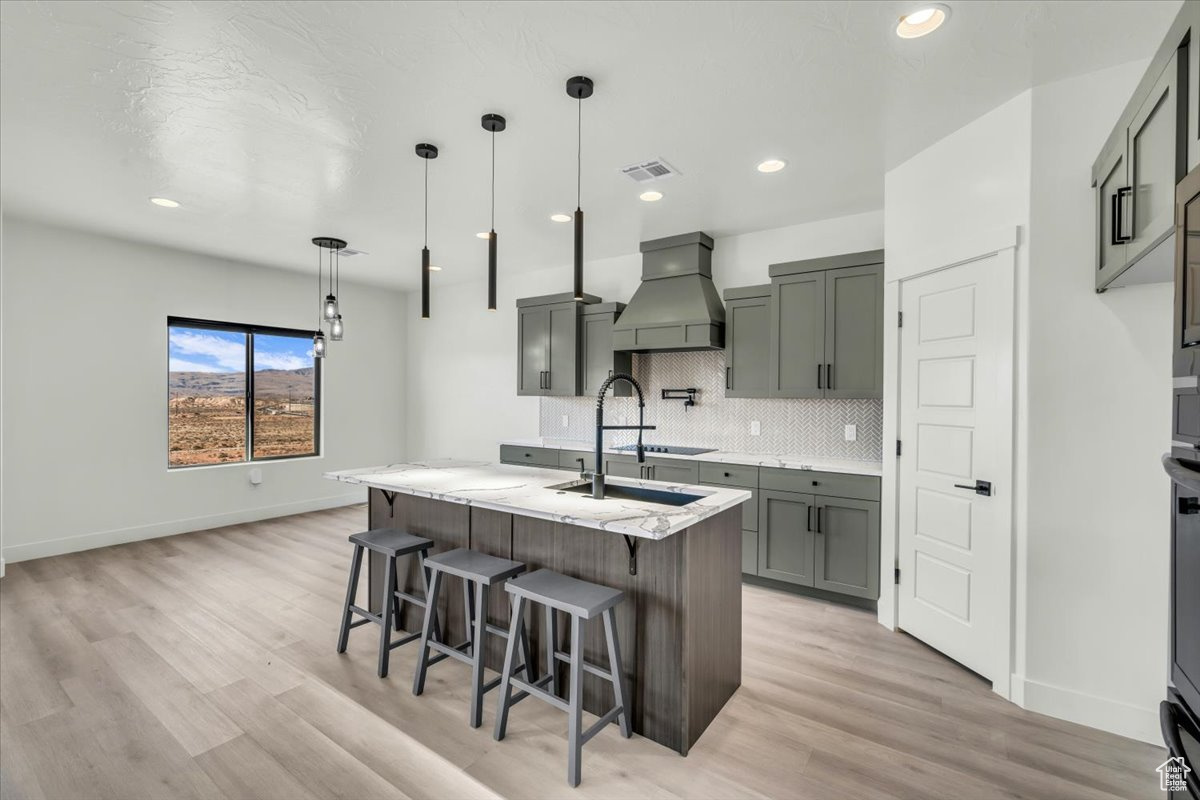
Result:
x=350 y=251
x=652 y=170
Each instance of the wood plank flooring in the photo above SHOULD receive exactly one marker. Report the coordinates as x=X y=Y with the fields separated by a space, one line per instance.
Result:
x=203 y=666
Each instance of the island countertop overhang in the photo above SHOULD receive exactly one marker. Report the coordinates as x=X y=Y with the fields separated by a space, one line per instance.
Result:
x=527 y=492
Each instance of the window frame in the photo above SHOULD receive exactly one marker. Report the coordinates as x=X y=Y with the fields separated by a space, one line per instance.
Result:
x=249 y=331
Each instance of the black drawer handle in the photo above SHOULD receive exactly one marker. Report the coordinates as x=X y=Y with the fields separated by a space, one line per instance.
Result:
x=810 y=515
x=1189 y=505
x=819 y=520
x=726 y=474
x=727 y=377
x=816 y=483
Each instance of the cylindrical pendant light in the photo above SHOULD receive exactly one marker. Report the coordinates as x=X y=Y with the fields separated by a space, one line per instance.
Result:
x=427 y=152
x=580 y=88
x=332 y=245
x=493 y=123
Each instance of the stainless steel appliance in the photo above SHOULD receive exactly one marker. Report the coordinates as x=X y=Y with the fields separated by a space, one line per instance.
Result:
x=669 y=449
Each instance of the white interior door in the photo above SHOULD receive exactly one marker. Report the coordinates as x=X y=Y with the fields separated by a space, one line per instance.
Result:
x=955 y=423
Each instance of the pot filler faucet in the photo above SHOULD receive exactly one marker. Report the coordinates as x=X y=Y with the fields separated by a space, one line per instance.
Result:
x=598 y=472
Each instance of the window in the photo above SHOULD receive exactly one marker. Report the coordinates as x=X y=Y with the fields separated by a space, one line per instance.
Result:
x=240 y=393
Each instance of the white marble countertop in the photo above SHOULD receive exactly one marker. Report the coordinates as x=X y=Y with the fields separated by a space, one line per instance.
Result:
x=784 y=461
x=524 y=491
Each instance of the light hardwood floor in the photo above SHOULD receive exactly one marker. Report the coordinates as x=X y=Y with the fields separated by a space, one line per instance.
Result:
x=203 y=665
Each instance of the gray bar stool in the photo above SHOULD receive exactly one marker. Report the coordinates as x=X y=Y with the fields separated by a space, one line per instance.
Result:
x=479 y=571
x=391 y=544
x=583 y=601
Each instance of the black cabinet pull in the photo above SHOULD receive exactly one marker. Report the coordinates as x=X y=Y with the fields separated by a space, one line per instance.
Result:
x=728 y=383
x=820 y=385
x=548 y=377
x=726 y=474
x=1118 y=216
x=1189 y=505
x=810 y=513
x=819 y=520
x=829 y=376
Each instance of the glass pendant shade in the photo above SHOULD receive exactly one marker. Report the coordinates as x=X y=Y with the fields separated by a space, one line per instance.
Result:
x=331 y=307
x=319 y=345
x=335 y=329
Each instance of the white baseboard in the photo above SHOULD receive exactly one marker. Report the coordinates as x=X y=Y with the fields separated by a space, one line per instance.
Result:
x=1114 y=716
x=89 y=541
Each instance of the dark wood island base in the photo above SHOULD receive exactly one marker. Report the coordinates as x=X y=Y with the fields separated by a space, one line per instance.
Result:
x=680 y=624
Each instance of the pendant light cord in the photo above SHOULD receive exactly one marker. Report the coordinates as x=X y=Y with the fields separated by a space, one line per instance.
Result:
x=579 y=155
x=493 y=180
x=426 y=203
x=320 y=300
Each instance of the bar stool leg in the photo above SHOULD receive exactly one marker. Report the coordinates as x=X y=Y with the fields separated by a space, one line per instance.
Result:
x=614 y=666
x=510 y=652
x=526 y=651
x=437 y=637
x=435 y=582
x=395 y=598
x=469 y=616
x=385 y=611
x=575 y=704
x=351 y=594
x=551 y=646
x=479 y=650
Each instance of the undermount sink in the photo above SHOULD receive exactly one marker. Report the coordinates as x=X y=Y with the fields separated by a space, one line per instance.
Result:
x=615 y=491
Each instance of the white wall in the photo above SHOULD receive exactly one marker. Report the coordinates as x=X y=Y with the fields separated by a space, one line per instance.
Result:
x=84 y=390
x=1093 y=389
x=462 y=386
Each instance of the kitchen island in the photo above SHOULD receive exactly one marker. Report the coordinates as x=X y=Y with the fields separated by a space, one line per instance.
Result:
x=679 y=566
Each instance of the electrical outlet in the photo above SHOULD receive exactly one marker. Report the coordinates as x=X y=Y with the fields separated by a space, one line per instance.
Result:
x=851 y=433
x=566 y=421
x=755 y=427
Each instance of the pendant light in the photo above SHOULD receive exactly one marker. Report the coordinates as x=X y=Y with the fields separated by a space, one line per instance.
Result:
x=493 y=123
x=427 y=152
x=333 y=245
x=580 y=88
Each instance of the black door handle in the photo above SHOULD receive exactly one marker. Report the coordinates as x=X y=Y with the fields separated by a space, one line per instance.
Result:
x=1189 y=505
x=1118 y=218
x=819 y=520
x=829 y=376
x=810 y=513
x=548 y=376
x=727 y=378
x=981 y=487
x=820 y=385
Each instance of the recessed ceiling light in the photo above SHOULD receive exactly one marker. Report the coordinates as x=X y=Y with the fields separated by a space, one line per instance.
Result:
x=772 y=165
x=483 y=235
x=922 y=21
x=432 y=268
x=560 y=217
x=164 y=202
x=651 y=196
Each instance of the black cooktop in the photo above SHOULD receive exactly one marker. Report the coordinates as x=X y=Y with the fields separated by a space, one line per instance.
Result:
x=669 y=449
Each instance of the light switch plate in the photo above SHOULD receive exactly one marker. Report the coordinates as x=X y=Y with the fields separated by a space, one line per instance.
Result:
x=755 y=427
x=256 y=476
x=851 y=433
x=566 y=421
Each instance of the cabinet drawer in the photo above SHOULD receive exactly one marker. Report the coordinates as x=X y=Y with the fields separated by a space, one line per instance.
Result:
x=833 y=484
x=671 y=470
x=729 y=474
x=567 y=460
x=533 y=456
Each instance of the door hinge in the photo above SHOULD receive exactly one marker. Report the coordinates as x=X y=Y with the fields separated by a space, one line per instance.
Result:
x=897 y=448
x=897 y=576
x=899 y=319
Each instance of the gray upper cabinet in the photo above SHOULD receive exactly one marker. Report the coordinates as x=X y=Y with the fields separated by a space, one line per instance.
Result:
x=599 y=361
x=1145 y=156
x=846 y=556
x=747 y=334
x=826 y=327
x=548 y=339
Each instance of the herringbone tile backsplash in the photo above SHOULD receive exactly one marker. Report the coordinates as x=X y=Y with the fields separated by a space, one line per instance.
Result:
x=804 y=427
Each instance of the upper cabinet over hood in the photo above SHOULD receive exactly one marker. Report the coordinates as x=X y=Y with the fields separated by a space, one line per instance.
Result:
x=677 y=306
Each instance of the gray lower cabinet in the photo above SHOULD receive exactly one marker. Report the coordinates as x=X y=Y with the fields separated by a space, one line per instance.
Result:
x=529 y=456
x=623 y=466
x=741 y=477
x=671 y=470
x=846 y=557
x=747 y=334
x=598 y=359
x=785 y=536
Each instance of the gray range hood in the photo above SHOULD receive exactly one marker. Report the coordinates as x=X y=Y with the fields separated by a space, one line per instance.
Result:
x=676 y=307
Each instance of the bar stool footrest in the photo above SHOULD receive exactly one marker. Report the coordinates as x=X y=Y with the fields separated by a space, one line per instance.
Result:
x=612 y=714
x=531 y=690
x=564 y=657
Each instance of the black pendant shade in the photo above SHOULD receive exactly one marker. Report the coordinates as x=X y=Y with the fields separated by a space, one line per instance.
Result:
x=493 y=124
x=579 y=88
x=427 y=152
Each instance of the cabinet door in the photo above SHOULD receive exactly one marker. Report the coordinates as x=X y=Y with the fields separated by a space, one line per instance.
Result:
x=671 y=470
x=750 y=552
x=533 y=349
x=847 y=547
x=854 y=332
x=1187 y=268
x=1111 y=229
x=563 y=376
x=797 y=336
x=623 y=467
x=599 y=360
x=785 y=537
x=747 y=328
x=1155 y=163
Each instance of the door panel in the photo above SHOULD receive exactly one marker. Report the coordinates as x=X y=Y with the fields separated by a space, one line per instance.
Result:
x=797 y=341
x=747 y=328
x=847 y=547
x=599 y=360
x=785 y=539
x=1153 y=163
x=1189 y=275
x=750 y=552
x=1110 y=254
x=956 y=428
x=564 y=331
x=854 y=332
x=533 y=338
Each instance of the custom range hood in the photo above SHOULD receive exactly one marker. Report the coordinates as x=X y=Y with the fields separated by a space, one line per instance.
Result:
x=676 y=307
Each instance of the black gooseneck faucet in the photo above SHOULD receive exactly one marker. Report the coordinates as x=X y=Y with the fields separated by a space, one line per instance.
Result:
x=598 y=472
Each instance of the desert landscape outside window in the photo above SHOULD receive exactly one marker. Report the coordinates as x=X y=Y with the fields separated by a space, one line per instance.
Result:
x=239 y=393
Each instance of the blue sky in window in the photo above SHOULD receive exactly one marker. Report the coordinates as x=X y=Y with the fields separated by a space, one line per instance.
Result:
x=200 y=350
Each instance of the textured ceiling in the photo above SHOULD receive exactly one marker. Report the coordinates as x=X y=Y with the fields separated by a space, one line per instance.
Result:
x=275 y=122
